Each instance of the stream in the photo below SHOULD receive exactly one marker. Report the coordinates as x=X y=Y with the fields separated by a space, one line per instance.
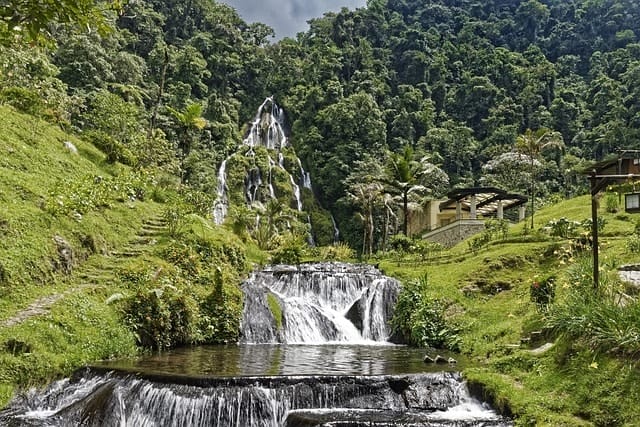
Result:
x=328 y=359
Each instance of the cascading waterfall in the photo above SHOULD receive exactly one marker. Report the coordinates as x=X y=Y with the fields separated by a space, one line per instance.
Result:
x=97 y=398
x=266 y=131
x=320 y=303
x=221 y=203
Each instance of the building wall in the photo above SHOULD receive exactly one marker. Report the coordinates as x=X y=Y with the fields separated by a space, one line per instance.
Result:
x=452 y=234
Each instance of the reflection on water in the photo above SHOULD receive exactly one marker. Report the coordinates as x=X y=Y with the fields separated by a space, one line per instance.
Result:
x=269 y=359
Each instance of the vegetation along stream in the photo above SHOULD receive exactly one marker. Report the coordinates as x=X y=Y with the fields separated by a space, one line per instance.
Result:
x=322 y=358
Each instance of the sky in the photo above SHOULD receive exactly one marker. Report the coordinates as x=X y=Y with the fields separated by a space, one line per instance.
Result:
x=288 y=17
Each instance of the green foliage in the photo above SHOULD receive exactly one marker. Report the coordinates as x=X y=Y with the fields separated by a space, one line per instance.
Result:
x=336 y=252
x=611 y=202
x=289 y=252
x=494 y=228
x=115 y=151
x=421 y=320
x=633 y=243
x=595 y=318
x=542 y=292
x=563 y=227
x=28 y=22
x=221 y=310
x=73 y=196
x=276 y=310
x=162 y=317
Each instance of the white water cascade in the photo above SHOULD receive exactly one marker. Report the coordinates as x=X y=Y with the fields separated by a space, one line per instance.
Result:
x=266 y=131
x=334 y=304
x=320 y=303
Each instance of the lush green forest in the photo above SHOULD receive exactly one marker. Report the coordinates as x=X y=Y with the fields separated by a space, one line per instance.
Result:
x=386 y=106
x=456 y=81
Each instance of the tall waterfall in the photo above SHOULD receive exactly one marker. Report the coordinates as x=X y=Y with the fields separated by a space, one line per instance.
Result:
x=319 y=303
x=266 y=130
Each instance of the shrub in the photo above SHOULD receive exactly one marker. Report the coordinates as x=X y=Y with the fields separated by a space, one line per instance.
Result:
x=633 y=244
x=162 y=317
x=594 y=317
x=611 y=202
x=221 y=311
x=542 y=292
x=421 y=321
x=290 y=252
x=114 y=150
x=400 y=243
x=338 y=251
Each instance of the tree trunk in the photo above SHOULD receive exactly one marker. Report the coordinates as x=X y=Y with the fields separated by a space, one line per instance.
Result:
x=405 y=207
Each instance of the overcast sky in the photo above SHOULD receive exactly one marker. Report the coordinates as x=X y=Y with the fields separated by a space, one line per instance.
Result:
x=288 y=17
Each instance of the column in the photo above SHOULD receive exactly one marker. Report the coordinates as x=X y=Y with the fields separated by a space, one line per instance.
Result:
x=500 y=210
x=458 y=210
x=522 y=210
x=474 y=214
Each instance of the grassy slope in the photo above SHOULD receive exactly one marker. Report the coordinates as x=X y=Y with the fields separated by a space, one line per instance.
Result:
x=560 y=387
x=80 y=327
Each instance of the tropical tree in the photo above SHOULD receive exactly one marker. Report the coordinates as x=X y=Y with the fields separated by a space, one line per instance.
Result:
x=410 y=180
x=28 y=21
x=532 y=144
x=188 y=120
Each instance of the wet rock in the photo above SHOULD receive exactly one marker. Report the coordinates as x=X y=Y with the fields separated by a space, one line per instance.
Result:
x=65 y=259
x=440 y=360
x=452 y=361
x=428 y=359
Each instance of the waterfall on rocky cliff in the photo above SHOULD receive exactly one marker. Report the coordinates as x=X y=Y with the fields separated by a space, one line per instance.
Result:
x=319 y=303
x=221 y=203
x=266 y=130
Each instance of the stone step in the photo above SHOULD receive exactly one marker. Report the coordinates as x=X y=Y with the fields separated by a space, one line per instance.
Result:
x=148 y=227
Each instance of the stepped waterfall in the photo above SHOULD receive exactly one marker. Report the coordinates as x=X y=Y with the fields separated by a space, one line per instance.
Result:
x=319 y=303
x=336 y=310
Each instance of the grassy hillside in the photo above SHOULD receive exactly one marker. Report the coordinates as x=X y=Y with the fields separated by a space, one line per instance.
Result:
x=95 y=256
x=487 y=294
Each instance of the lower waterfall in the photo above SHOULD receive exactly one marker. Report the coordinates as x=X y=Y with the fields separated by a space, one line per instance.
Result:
x=96 y=397
x=323 y=359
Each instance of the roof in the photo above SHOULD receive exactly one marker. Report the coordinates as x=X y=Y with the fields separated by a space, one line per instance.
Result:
x=487 y=199
x=613 y=161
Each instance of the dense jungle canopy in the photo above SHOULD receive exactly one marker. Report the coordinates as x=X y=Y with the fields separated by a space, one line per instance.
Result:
x=455 y=80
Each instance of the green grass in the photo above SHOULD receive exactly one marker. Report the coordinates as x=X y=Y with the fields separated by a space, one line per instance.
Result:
x=560 y=387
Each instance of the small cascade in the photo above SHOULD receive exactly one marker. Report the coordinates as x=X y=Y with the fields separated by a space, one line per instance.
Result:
x=336 y=231
x=320 y=303
x=252 y=183
x=95 y=397
x=305 y=177
x=296 y=193
x=266 y=129
x=221 y=204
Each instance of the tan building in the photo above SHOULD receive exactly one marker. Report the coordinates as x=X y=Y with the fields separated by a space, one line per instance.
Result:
x=463 y=213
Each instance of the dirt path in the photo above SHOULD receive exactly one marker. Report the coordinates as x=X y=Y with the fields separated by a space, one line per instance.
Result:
x=139 y=244
x=40 y=306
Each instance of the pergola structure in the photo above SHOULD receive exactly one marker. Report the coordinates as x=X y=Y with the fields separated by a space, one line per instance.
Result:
x=485 y=201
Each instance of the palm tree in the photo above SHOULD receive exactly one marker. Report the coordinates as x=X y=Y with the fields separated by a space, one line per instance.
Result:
x=365 y=196
x=188 y=120
x=532 y=144
x=409 y=179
